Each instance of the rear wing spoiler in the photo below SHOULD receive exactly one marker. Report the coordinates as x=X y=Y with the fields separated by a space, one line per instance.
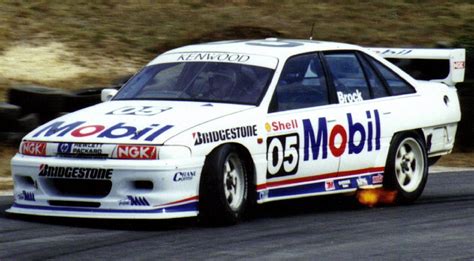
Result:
x=439 y=65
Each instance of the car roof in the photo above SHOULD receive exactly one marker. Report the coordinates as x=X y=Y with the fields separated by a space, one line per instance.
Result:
x=275 y=47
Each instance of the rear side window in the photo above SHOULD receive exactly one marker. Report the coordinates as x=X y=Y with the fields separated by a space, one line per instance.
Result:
x=348 y=77
x=377 y=86
x=396 y=84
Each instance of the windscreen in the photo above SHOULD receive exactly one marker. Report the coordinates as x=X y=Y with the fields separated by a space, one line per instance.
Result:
x=199 y=81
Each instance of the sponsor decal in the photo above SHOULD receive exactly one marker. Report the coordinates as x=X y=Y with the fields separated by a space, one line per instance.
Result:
x=281 y=125
x=350 y=97
x=65 y=148
x=139 y=110
x=459 y=65
x=268 y=127
x=80 y=129
x=33 y=148
x=317 y=141
x=362 y=182
x=282 y=155
x=218 y=57
x=329 y=185
x=80 y=148
x=394 y=51
x=344 y=183
x=377 y=179
x=262 y=194
x=184 y=176
x=74 y=172
x=28 y=196
x=136 y=152
x=134 y=201
x=226 y=134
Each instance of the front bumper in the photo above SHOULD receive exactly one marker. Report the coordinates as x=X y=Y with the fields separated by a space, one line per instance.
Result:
x=130 y=189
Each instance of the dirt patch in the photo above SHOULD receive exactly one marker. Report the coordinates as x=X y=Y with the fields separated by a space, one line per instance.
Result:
x=47 y=63
x=6 y=153
x=53 y=62
x=6 y=184
x=465 y=160
x=56 y=65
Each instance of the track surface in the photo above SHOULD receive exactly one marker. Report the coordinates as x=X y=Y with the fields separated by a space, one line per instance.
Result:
x=439 y=226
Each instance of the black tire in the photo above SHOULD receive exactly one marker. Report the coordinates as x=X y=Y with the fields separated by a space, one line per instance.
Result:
x=23 y=124
x=35 y=98
x=28 y=122
x=11 y=138
x=83 y=98
x=9 y=112
x=224 y=187
x=433 y=160
x=406 y=170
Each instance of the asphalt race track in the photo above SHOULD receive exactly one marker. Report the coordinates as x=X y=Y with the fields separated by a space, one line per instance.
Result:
x=439 y=226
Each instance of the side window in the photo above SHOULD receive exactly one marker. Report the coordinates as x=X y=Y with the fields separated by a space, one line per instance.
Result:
x=378 y=88
x=301 y=85
x=348 y=77
x=397 y=85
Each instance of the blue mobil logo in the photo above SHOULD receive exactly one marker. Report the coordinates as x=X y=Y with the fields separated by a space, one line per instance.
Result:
x=81 y=129
x=318 y=139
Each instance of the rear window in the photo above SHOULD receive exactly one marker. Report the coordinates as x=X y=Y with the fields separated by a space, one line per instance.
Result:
x=397 y=85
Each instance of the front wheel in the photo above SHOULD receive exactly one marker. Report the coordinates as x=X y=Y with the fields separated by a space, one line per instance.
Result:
x=223 y=188
x=406 y=170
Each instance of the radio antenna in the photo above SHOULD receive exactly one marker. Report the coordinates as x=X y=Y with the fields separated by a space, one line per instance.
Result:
x=311 y=35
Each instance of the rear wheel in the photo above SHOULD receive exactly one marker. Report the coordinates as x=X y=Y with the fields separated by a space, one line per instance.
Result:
x=406 y=170
x=223 y=188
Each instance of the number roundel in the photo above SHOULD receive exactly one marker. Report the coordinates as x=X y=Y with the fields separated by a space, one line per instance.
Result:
x=282 y=155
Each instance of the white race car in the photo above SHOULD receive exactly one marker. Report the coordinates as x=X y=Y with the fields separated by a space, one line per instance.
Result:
x=208 y=130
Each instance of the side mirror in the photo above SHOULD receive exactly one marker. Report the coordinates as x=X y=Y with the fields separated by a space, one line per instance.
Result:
x=107 y=94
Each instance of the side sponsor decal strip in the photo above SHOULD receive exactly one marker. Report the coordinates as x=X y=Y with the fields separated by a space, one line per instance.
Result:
x=340 y=184
x=319 y=177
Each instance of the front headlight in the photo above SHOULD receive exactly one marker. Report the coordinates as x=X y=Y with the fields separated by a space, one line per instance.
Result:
x=145 y=152
x=174 y=152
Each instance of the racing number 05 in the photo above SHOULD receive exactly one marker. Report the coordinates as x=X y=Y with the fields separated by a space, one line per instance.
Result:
x=282 y=155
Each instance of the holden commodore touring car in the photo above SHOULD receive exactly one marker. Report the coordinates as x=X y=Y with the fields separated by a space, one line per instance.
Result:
x=208 y=130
